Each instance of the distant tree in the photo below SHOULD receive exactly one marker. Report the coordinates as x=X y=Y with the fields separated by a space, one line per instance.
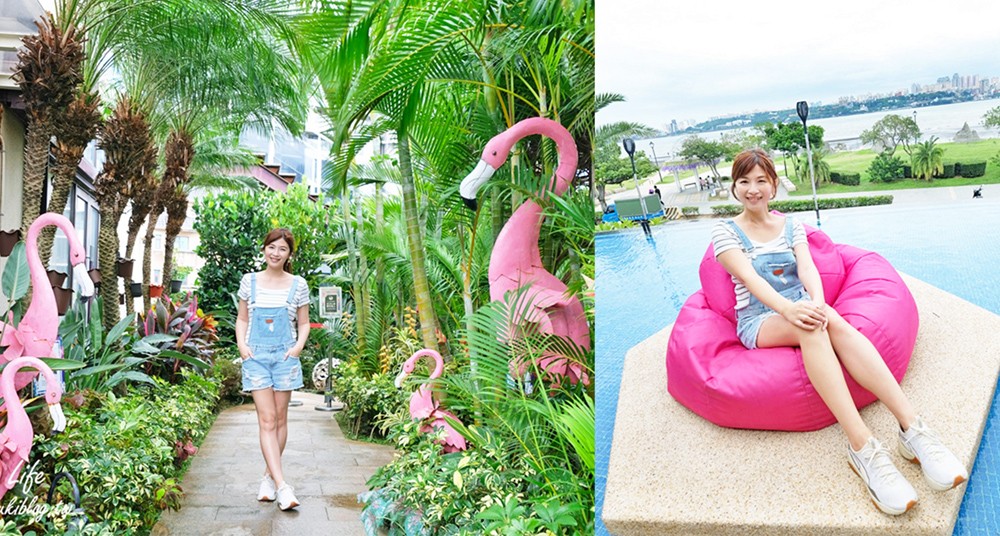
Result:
x=740 y=140
x=892 y=131
x=992 y=118
x=821 y=168
x=789 y=138
x=609 y=166
x=885 y=168
x=928 y=159
x=705 y=151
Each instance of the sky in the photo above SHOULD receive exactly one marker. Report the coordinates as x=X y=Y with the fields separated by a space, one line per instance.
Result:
x=696 y=59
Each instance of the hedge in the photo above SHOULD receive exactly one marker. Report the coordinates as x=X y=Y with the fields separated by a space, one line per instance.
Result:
x=848 y=179
x=949 y=172
x=977 y=169
x=804 y=205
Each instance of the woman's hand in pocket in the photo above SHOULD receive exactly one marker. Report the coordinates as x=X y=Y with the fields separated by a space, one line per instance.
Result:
x=245 y=351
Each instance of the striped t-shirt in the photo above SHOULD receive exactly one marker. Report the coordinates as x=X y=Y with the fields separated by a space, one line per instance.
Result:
x=724 y=239
x=276 y=298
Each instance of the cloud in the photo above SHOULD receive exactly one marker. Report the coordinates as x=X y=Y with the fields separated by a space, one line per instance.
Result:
x=697 y=59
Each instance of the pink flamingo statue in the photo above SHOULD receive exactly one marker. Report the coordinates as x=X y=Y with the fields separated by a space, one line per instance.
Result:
x=516 y=261
x=425 y=407
x=37 y=331
x=16 y=438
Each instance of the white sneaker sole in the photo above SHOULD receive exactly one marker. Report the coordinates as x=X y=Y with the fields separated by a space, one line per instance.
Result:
x=878 y=504
x=289 y=507
x=911 y=457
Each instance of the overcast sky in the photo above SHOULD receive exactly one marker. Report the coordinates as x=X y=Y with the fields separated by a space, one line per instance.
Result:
x=693 y=59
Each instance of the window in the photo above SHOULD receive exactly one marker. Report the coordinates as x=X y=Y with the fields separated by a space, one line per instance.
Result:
x=183 y=244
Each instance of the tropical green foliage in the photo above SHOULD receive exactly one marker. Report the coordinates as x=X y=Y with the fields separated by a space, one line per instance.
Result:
x=708 y=152
x=187 y=336
x=125 y=452
x=928 y=159
x=311 y=223
x=231 y=227
x=886 y=168
x=532 y=448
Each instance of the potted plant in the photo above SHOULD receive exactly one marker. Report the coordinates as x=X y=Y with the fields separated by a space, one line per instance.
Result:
x=136 y=289
x=180 y=275
x=56 y=278
x=95 y=275
x=64 y=297
x=155 y=291
x=7 y=241
x=125 y=267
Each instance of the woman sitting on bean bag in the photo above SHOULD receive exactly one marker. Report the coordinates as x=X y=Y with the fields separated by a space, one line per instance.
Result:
x=780 y=302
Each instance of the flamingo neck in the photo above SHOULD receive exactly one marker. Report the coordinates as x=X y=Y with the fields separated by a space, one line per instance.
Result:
x=438 y=365
x=16 y=415
x=565 y=147
x=42 y=297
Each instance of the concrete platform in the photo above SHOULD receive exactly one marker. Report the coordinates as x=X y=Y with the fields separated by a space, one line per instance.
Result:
x=672 y=472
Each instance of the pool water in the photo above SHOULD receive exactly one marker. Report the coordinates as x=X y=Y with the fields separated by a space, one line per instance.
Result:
x=642 y=284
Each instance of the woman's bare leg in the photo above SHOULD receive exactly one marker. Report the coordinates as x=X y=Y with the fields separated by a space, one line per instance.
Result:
x=867 y=367
x=264 y=400
x=823 y=370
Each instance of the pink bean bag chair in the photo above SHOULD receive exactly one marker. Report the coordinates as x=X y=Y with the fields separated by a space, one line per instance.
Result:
x=711 y=373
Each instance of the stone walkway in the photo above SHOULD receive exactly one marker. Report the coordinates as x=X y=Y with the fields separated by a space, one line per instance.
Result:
x=326 y=470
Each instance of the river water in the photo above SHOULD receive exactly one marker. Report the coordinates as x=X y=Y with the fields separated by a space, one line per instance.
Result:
x=941 y=121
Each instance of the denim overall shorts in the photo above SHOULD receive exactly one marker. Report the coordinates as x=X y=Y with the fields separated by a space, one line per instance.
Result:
x=780 y=270
x=270 y=338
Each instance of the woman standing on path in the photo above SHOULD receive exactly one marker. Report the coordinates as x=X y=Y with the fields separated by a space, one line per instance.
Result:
x=272 y=304
x=780 y=302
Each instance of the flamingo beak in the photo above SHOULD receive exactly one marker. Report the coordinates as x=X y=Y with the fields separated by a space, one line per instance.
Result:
x=86 y=284
x=58 y=418
x=473 y=182
x=399 y=380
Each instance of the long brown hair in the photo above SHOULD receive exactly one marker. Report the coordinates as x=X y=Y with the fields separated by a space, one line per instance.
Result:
x=282 y=234
x=745 y=162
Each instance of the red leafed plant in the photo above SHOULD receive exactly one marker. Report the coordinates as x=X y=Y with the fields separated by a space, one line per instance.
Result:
x=189 y=335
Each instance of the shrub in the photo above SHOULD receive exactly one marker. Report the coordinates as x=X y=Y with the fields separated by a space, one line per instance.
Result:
x=366 y=400
x=977 y=169
x=228 y=373
x=886 y=168
x=192 y=335
x=803 y=205
x=230 y=227
x=690 y=211
x=958 y=169
x=848 y=179
x=908 y=171
x=126 y=454
x=947 y=173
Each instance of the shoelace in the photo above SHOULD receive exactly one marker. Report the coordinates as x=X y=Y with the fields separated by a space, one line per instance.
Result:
x=934 y=447
x=880 y=461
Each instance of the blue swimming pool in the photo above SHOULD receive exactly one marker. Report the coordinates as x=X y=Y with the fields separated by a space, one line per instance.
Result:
x=641 y=285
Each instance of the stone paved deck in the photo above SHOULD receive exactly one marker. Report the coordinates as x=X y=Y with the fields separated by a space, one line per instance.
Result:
x=326 y=469
x=672 y=472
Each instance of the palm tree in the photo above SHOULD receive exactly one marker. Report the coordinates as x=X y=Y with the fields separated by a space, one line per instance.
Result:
x=48 y=72
x=127 y=142
x=928 y=159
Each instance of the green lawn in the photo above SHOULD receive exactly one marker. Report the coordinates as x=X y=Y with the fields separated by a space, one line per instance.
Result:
x=858 y=162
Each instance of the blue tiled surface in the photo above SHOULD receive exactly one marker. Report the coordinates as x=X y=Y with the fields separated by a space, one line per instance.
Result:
x=641 y=285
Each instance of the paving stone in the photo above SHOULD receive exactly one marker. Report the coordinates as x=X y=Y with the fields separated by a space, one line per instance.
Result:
x=323 y=467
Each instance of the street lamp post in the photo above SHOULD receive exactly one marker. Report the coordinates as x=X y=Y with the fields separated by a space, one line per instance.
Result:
x=655 y=161
x=629 y=145
x=802 y=108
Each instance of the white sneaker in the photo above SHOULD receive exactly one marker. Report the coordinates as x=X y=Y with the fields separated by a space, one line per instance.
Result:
x=286 y=497
x=267 y=491
x=942 y=470
x=888 y=488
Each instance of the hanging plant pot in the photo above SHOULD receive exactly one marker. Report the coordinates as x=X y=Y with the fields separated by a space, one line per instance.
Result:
x=64 y=297
x=121 y=298
x=7 y=241
x=125 y=268
x=155 y=291
x=95 y=276
x=56 y=278
x=136 y=290
x=175 y=285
